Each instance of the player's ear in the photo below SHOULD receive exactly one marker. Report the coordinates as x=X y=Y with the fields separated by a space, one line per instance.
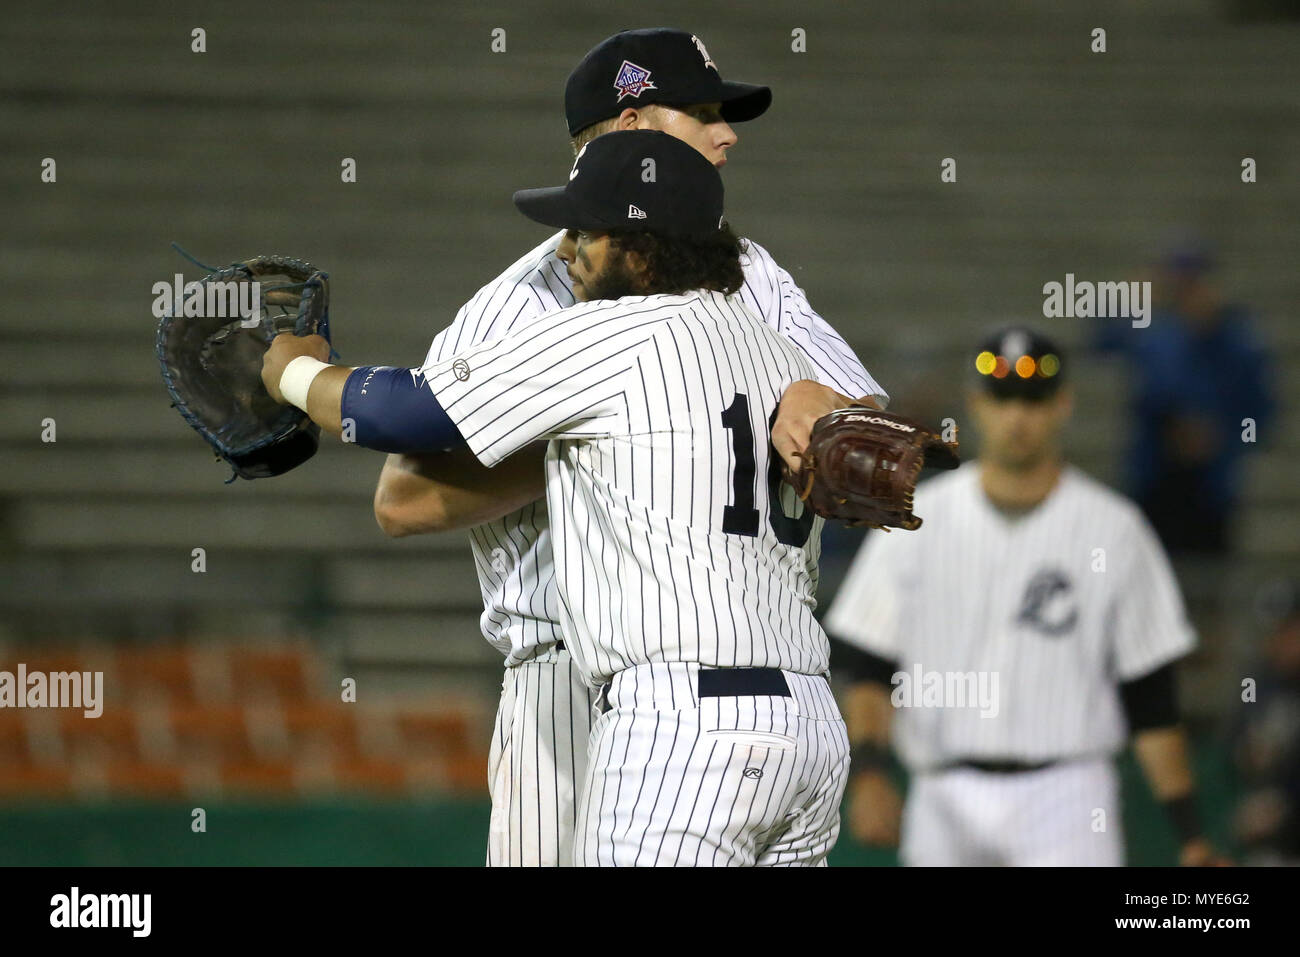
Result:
x=636 y=266
x=565 y=251
x=629 y=119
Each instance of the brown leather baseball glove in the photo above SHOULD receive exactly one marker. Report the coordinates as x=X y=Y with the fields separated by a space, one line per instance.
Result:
x=861 y=467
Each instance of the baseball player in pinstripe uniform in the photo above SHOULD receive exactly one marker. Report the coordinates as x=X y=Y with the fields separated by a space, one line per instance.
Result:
x=644 y=79
x=1013 y=644
x=685 y=581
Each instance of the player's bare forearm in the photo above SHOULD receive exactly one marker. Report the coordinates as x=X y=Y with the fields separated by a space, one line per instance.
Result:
x=802 y=404
x=875 y=807
x=1162 y=753
x=868 y=713
x=440 y=492
x=325 y=398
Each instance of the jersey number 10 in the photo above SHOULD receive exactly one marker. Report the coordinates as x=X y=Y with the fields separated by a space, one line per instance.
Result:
x=741 y=518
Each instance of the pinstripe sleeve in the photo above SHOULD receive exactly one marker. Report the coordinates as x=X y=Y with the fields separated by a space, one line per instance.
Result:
x=1151 y=627
x=771 y=292
x=866 y=609
x=533 y=284
x=560 y=376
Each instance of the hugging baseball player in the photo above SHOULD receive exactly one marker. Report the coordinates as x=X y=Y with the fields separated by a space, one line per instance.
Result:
x=1043 y=601
x=643 y=79
x=684 y=581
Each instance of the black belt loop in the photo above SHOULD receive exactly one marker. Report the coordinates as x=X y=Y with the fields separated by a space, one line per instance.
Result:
x=559 y=645
x=727 y=682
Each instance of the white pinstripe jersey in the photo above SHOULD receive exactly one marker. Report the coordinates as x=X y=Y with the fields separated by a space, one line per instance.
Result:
x=512 y=554
x=659 y=477
x=1062 y=603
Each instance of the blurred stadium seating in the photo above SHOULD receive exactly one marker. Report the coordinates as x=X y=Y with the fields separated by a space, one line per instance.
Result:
x=222 y=720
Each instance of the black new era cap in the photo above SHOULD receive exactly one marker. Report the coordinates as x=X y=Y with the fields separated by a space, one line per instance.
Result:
x=1016 y=362
x=640 y=180
x=637 y=67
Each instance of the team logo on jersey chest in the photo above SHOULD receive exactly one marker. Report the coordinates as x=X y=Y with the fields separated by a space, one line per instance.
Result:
x=1049 y=605
x=632 y=80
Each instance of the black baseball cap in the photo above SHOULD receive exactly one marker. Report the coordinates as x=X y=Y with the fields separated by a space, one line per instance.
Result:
x=638 y=180
x=659 y=65
x=1015 y=362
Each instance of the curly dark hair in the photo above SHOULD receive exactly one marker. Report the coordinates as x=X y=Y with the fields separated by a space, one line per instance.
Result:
x=676 y=264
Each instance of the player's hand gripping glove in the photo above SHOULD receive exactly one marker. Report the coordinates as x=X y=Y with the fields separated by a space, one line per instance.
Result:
x=861 y=467
x=212 y=366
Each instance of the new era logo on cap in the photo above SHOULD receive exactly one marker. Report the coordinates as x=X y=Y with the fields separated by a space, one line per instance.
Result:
x=685 y=198
x=632 y=80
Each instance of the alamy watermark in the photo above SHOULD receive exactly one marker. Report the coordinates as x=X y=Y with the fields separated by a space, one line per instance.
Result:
x=54 y=689
x=1084 y=299
x=946 y=689
x=227 y=300
x=130 y=911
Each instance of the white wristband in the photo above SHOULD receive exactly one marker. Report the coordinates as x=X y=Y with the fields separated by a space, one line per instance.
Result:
x=296 y=380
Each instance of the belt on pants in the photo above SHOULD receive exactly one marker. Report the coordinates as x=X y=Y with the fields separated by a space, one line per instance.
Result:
x=998 y=767
x=727 y=682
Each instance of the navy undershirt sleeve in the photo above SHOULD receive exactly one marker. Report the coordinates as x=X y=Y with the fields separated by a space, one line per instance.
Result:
x=394 y=410
x=1151 y=701
x=858 y=664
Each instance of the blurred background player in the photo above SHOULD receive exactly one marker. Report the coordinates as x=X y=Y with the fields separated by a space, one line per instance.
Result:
x=1197 y=371
x=1012 y=645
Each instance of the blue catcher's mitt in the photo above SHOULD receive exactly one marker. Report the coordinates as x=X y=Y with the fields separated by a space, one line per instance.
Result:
x=212 y=366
